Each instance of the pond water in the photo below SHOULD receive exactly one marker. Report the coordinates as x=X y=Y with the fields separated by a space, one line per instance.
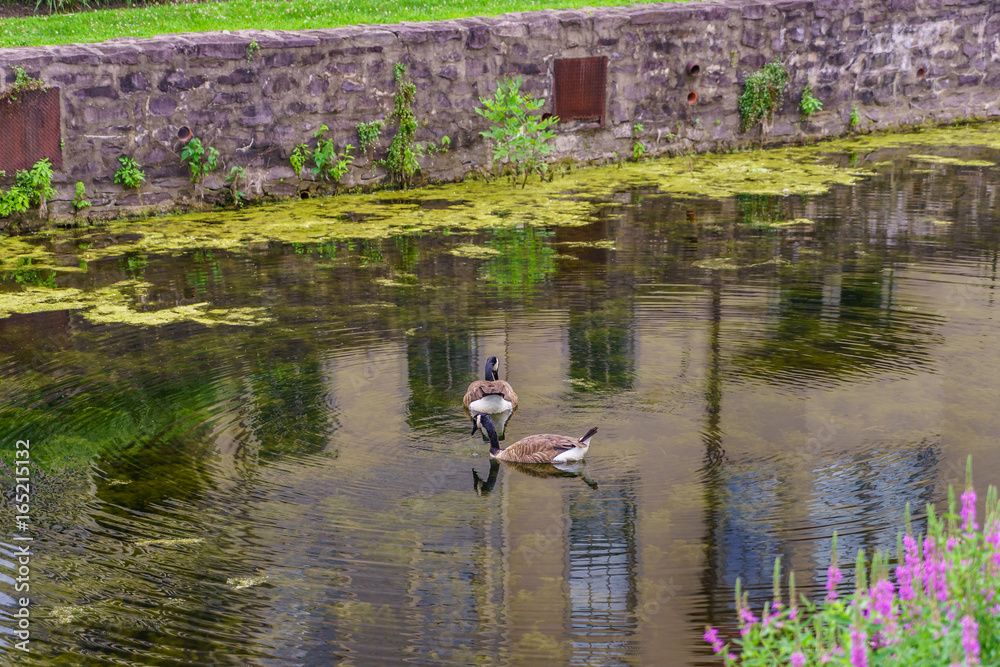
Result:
x=279 y=470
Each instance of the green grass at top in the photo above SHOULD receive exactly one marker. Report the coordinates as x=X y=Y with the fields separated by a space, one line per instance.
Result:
x=97 y=26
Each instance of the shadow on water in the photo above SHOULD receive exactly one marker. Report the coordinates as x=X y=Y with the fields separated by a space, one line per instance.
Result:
x=764 y=371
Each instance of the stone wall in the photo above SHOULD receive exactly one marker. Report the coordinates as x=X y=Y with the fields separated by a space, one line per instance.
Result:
x=901 y=62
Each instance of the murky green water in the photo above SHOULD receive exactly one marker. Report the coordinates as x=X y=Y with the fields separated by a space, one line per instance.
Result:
x=300 y=487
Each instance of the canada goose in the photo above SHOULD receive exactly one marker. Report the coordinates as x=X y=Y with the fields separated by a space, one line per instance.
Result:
x=491 y=395
x=535 y=448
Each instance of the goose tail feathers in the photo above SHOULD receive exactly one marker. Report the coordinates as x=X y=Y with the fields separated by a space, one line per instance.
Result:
x=590 y=434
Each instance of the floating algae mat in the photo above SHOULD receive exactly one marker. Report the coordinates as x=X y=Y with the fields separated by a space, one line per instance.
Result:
x=573 y=198
x=115 y=303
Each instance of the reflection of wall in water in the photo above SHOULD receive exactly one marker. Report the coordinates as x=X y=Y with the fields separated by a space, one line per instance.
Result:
x=748 y=502
x=602 y=573
x=602 y=344
x=438 y=363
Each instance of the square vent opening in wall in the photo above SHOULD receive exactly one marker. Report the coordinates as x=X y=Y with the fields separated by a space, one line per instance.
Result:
x=580 y=87
x=30 y=130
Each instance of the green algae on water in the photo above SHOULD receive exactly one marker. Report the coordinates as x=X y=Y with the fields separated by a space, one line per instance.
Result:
x=952 y=161
x=473 y=251
x=169 y=542
x=604 y=245
x=113 y=305
x=245 y=582
x=730 y=264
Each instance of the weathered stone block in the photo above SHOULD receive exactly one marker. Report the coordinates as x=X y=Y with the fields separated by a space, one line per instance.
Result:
x=98 y=91
x=753 y=12
x=162 y=106
x=230 y=98
x=177 y=80
x=279 y=86
x=218 y=46
x=235 y=78
x=317 y=85
x=133 y=82
x=257 y=114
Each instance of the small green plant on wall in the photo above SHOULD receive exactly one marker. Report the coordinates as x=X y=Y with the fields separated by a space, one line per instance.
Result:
x=253 y=48
x=809 y=104
x=520 y=139
x=401 y=160
x=761 y=95
x=23 y=82
x=638 y=148
x=442 y=146
x=329 y=165
x=38 y=181
x=855 y=117
x=236 y=176
x=32 y=187
x=198 y=159
x=299 y=158
x=369 y=134
x=80 y=199
x=130 y=175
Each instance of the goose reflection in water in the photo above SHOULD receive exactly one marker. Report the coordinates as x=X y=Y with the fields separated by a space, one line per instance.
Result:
x=574 y=469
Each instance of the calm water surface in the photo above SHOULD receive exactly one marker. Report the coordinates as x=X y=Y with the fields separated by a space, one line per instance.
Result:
x=306 y=491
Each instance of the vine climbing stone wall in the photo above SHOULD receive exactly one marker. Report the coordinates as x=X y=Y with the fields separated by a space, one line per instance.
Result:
x=254 y=95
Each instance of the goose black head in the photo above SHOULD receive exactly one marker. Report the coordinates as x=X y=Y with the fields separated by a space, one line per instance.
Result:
x=484 y=422
x=492 y=365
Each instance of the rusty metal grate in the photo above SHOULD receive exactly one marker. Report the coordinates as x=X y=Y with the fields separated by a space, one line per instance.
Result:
x=30 y=130
x=581 y=86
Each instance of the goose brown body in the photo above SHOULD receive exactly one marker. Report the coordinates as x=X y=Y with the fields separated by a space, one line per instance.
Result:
x=542 y=448
x=491 y=395
x=483 y=388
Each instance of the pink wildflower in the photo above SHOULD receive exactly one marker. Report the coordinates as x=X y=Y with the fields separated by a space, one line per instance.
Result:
x=748 y=620
x=833 y=577
x=882 y=595
x=904 y=576
x=969 y=511
x=712 y=637
x=798 y=659
x=970 y=639
x=859 y=648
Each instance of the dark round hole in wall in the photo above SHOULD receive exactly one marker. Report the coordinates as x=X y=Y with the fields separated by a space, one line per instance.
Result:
x=304 y=194
x=693 y=69
x=184 y=134
x=692 y=97
x=546 y=116
x=921 y=72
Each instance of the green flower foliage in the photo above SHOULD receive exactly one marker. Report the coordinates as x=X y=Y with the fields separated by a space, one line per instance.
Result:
x=761 y=95
x=939 y=608
x=519 y=139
